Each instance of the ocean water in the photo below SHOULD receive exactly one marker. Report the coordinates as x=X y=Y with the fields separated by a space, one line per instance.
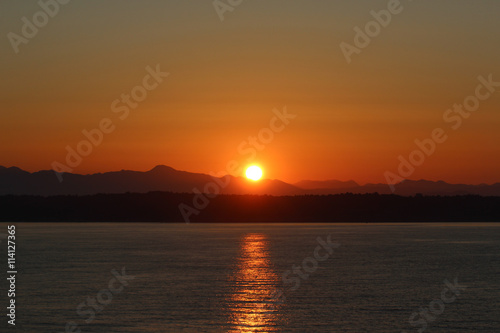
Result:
x=255 y=277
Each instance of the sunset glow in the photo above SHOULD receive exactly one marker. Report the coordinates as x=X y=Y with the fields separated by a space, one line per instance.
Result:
x=225 y=80
x=250 y=166
x=254 y=173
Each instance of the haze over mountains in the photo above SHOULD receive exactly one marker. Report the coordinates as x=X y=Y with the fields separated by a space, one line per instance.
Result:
x=163 y=178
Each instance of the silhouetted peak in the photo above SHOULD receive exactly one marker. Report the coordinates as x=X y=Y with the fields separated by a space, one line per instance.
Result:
x=12 y=170
x=162 y=168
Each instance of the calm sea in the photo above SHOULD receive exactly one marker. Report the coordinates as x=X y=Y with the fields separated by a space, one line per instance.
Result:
x=142 y=277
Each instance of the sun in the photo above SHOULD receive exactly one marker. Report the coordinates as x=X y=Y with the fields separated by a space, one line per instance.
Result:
x=254 y=173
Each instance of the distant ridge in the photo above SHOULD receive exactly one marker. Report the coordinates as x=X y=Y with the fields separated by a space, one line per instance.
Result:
x=15 y=181
x=328 y=184
x=161 y=178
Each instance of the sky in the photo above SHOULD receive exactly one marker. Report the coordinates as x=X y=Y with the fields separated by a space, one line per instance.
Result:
x=354 y=115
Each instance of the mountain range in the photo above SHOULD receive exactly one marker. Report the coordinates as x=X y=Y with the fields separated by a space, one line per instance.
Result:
x=163 y=178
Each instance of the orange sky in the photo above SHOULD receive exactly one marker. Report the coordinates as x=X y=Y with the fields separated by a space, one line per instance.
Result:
x=353 y=120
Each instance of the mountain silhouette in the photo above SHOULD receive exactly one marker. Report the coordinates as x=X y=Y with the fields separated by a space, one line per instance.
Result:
x=163 y=178
x=326 y=184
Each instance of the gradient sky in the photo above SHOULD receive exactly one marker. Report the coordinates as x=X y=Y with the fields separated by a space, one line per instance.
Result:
x=353 y=120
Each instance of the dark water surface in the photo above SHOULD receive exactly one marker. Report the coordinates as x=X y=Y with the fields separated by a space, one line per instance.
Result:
x=229 y=277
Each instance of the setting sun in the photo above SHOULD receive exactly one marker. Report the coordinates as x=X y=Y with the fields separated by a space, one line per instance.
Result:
x=254 y=173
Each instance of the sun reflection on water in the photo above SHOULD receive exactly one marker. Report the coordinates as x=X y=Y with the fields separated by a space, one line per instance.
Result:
x=253 y=283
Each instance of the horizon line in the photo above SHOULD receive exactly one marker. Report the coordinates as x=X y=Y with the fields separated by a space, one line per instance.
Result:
x=275 y=179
